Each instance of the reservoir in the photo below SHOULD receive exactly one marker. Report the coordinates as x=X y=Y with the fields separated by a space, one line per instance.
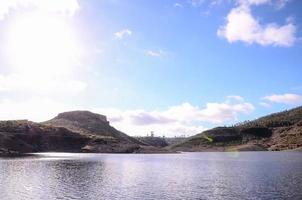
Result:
x=225 y=176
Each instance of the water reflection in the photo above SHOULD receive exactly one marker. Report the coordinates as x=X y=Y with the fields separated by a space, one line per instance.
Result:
x=179 y=176
x=50 y=179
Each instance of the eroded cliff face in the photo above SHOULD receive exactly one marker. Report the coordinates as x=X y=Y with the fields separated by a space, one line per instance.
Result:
x=76 y=131
x=26 y=136
x=92 y=124
x=82 y=116
x=285 y=138
x=276 y=132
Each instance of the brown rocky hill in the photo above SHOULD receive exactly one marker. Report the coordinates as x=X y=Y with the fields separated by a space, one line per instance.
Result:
x=24 y=136
x=90 y=124
x=76 y=131
x=278 y=131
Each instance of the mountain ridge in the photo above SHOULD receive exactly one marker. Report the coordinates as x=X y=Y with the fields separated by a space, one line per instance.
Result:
x=273 y=132
x=74 y=131
x=84 y=131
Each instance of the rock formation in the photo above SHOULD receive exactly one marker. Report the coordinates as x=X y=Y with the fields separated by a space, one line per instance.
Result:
x=275 y=132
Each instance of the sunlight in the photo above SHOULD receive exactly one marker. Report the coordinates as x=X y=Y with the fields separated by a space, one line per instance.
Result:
x=43 y=45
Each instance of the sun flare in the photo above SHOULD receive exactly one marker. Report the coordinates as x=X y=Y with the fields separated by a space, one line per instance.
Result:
x=43 y=45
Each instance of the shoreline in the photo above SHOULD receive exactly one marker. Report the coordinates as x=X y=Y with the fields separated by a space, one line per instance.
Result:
x=20 y=155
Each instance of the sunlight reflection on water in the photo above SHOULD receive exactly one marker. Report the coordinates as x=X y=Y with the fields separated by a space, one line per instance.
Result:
x=257 y=175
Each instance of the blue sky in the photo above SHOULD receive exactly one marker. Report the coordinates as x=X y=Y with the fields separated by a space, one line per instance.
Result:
x=173 y=67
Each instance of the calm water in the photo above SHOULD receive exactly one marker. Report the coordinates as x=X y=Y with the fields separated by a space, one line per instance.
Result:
x=250 y=175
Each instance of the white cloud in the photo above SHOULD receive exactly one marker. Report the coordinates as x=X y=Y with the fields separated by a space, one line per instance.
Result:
x=156 y=53
x=216 y=2
x=210 y=3
x=281 y=3
x=178 y=5
x=277 y=3
x=214 y=112
x=235 y=97
x=289 y=98
x=40 y=85
x=183 y=119
x=122 y=34
x=176 y=120
x=253 y=2
x=196 y=3
x=40 y=71
x=264 y=104
x=68 y=7
x=242 y=26
x=35 y=109
x=141 y=122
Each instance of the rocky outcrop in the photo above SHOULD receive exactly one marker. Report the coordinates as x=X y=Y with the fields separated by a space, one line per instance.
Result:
x=286 y=138
x=276 y=132
x=26 y=136
x=91 y=124
x=76 y=131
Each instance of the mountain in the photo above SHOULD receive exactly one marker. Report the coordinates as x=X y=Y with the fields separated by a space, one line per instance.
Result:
x=105 y=138
x=75 y=131
x=23 y=136
x=275 y=132
x=84 y=131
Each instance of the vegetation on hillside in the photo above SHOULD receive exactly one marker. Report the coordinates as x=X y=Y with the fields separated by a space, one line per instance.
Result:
x=278 y=131
x=284 y=118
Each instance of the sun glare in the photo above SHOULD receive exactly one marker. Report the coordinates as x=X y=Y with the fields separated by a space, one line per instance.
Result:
x=42 y=45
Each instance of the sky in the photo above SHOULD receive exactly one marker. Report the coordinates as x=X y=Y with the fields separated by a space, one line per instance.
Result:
x=175 y=67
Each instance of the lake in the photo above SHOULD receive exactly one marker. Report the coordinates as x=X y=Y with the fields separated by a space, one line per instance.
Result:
x=245 y=175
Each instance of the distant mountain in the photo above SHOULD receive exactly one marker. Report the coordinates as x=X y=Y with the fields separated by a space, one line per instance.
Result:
x=175 y=140
x=275 y=132
x=75 y=131
x=153 y=141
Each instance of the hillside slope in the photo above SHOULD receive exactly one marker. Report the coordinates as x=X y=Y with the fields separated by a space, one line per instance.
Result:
x=24 y=136
x=275 y=132
x=76 y=131
x=96 y=127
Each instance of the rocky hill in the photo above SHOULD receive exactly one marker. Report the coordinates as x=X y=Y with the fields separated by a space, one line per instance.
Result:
x=105 y=138
x=275 y=132
x=84 y=131
x=25 y=136
x=76 y=131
